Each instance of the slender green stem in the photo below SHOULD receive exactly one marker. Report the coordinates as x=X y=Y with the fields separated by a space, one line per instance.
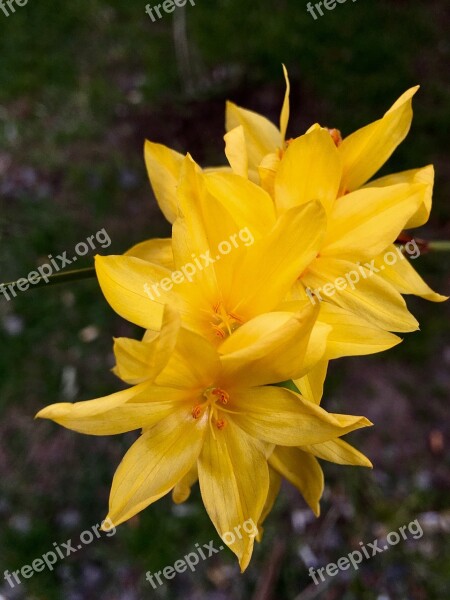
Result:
x=442 y=246
x=57 y=278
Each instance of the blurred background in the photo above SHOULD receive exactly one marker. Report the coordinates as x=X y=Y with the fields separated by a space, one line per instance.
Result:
x=82 y=84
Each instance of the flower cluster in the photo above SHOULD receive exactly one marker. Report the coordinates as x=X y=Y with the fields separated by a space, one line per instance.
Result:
x=226 y=383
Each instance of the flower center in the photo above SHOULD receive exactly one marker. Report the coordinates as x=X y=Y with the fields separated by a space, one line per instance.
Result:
x=224 y=323
x=215 y=401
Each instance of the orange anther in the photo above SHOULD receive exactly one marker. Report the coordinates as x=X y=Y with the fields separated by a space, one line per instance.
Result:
x=197 y=411
x=222 y=396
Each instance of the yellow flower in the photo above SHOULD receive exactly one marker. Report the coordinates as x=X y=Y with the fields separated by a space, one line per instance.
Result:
x=364 y=219
x=202 y=411
x=257 y=149
x=362 y=226
x=218 y=293
x=249 y=289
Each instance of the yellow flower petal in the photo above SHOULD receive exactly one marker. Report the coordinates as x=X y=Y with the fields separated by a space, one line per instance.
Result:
x=358 y=290
x=163 y=168
x=155 y=463
x=311 y=384
x=284 y=116
x=261 y=136
x=196 y=234
x=267 y=171
x=193 y=364
x=268 y=349
x=234 y=482
x=117 y=413
x=309 y=170
x=364 y=223
x=157 y=251
x=272 y=264
x=303 y=471
x=249 y=205
x=339 y=452
x=405 y=279
x=351 y=335
x=127 y=282
x=143 y=361
x=366 y=150
x=274 y=489
x=182 y=490
x=425 y=176
x=236 y=151
x=279 y=416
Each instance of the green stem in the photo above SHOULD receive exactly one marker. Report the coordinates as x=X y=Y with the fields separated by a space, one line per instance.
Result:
x=58 y=278
x=442 y=246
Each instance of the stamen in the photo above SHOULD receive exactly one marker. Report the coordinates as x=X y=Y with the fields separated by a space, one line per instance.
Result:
x=218 y=330
x=222 y=396
x=197 y=411
x=220 y=424
x=224 y=323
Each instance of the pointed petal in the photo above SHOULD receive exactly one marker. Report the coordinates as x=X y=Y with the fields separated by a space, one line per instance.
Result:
x=279 y=258
x=155 y=463
x=279 y=416
x=193 y=365
x=234 y=482
x=182 y=490
x=363 y=223
x=157 y=251
x=267 y=171
x=163 y=168
x=268 y=349
x=309 y=170
x=311 y=384
x=358 y=290
x=284 y=117
x=117 y=413
x=303 y=471
x=204 y=223
x=274 y=489
x=339 y=452
x=403 y=276
x=425 y=176
x=261 y=136
x=127 y=282
x=236 y=151
x=143 y=361
x=250 y=207
x=366 y=150
x=352 y=335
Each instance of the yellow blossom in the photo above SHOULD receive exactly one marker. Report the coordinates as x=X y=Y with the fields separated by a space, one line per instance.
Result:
x=200 y=410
